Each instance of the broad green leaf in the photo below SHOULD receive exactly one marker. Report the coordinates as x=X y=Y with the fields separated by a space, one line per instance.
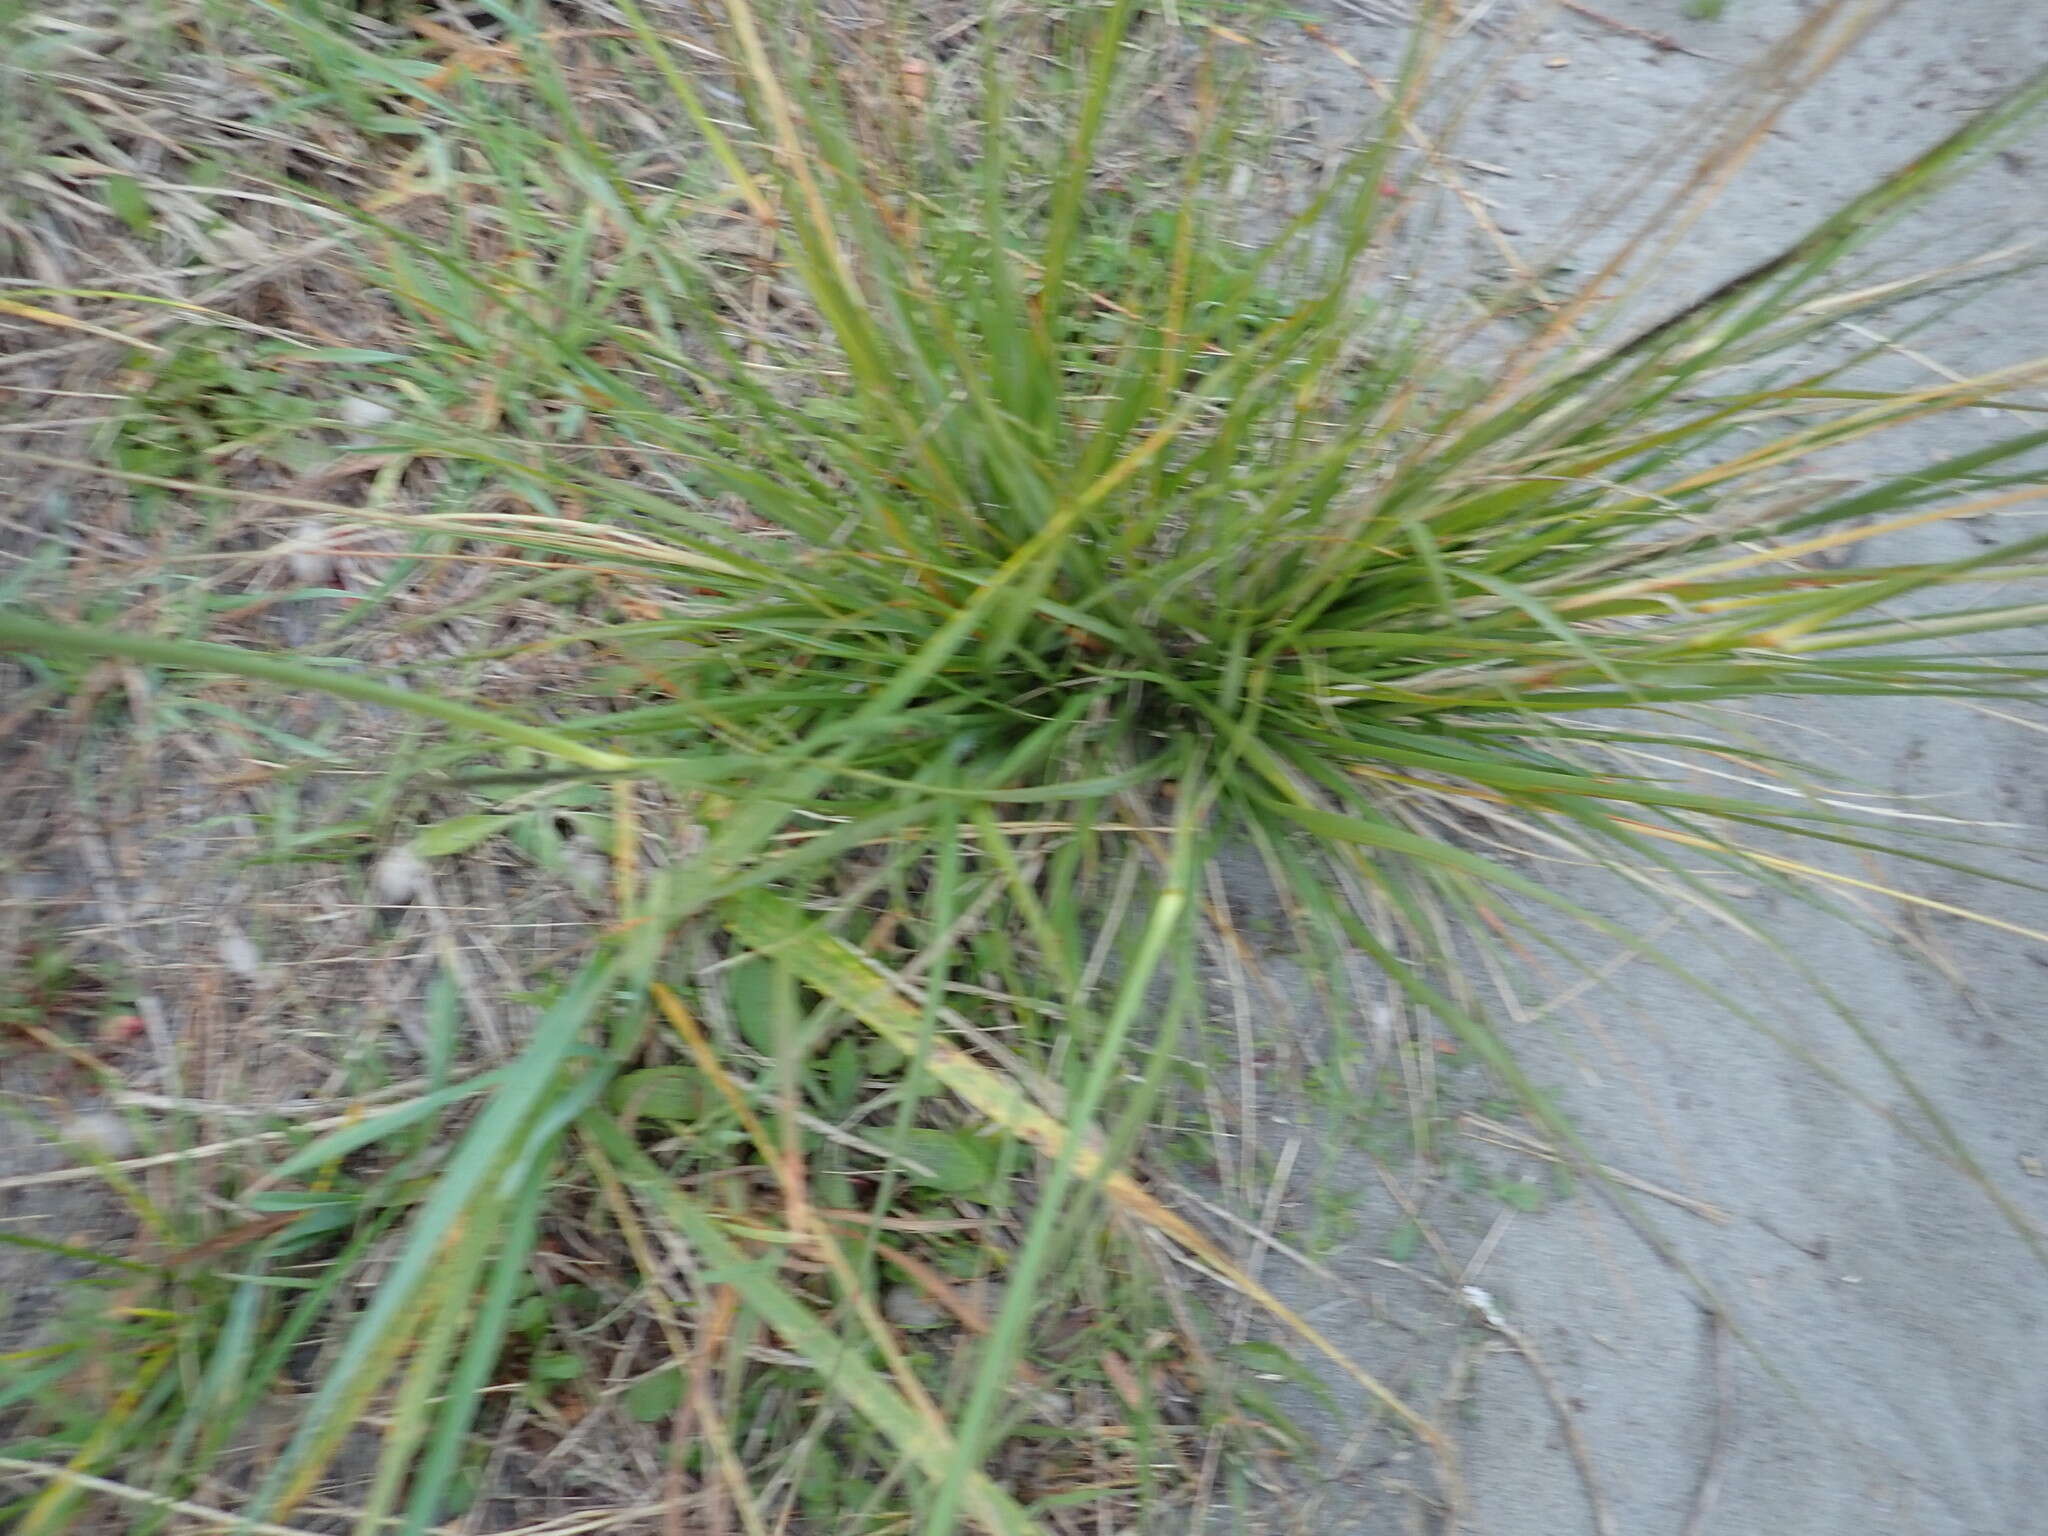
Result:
x=655 y=1396
x=960 y=1162
x=125 y=197
x=556 y=1365
x=455 y=835
x=660 y=1093
x=750 y=988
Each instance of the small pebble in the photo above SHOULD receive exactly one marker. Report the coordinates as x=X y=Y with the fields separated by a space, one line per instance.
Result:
x=1046 y=1405
x=908 y=1307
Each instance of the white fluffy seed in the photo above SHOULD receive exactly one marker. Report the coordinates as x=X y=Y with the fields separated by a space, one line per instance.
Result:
x=240 y=955
x=401 y=875
x=1046 y=1405
x=358 y=412
x=309 y=554
x=589 y=871
x=102 y=1131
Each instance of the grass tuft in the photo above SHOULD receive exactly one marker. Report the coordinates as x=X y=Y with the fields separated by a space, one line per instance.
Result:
x=975 y=549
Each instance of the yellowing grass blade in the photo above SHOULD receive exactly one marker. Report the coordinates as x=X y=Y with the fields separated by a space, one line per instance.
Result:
x=922 y=1438
x=51 y=317
x=35 y=636
x=1815 y=872
x=771 y=924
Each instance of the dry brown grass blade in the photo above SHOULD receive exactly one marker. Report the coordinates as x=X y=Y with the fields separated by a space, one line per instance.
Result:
x=770 y=925
x=557 y=533
x=1815 y=872
x=732 y=1476
x=803 y=1216
x=220 y=1519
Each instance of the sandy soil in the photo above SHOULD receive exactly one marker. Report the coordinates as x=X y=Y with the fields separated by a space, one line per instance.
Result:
x=1885 y=1364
